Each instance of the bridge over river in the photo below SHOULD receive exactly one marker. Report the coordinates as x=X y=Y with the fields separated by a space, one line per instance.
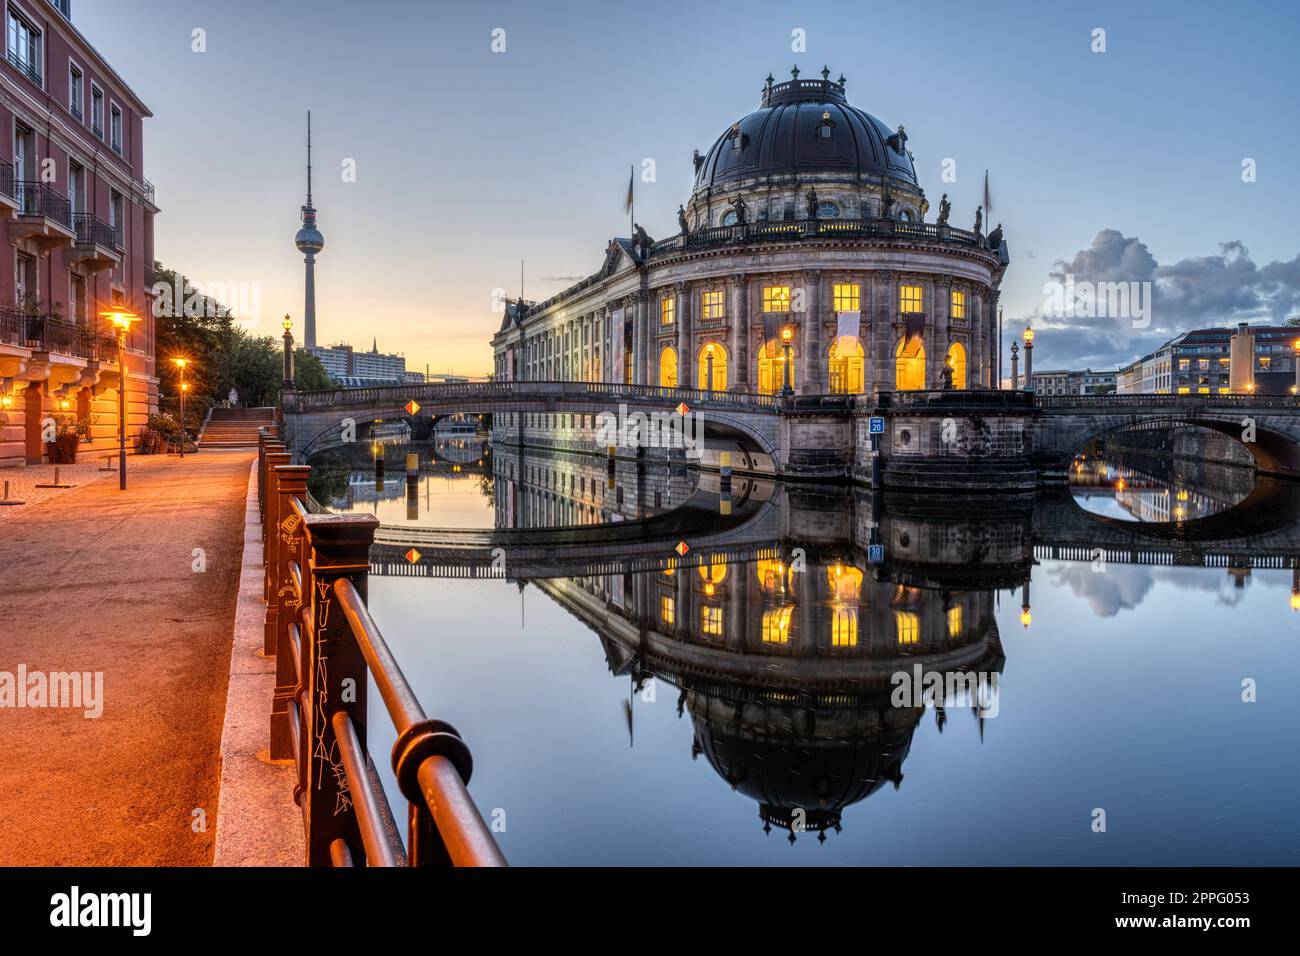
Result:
x=940 y=440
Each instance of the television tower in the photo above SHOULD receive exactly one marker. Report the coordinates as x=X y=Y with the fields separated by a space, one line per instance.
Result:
x=309 y=242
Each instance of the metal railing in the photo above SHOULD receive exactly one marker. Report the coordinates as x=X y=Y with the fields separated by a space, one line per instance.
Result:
x=485 y=393
x=76 y=112
x=326 y=646
x=45 y=334
x=7 y=178
x=1126 y=400
x=92 y=229
x=38 y=199
x=954 y=397
x=25 y=67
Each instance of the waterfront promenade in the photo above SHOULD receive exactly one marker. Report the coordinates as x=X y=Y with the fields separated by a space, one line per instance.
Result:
x=102 y=580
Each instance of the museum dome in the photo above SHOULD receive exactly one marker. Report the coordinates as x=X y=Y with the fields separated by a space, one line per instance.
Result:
x=805 y=127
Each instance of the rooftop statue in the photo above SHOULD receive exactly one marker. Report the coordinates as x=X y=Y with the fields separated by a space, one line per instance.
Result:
x=682 y=224
x=995 y=238
x=945 y=208
x=979 y=220
x=812 y=203
x=742 y=209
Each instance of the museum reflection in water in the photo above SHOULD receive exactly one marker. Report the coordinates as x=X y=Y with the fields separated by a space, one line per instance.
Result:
x=782 y=630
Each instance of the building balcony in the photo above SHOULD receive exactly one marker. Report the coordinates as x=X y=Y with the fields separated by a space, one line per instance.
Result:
x=8 y=196
x=96 y=245
x=43 y=333
x=26 y=68
x=44 y=216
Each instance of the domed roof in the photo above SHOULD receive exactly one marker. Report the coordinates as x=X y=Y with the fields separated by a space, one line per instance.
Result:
x=785 y=136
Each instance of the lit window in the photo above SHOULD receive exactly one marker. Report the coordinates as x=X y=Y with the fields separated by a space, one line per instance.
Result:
x=776 y=298
x=1184 y=390
x=958 y=304
x=667 y=610
x=711 y=303
x=909 y=630
x=847 y=368
x=668 y=368
x=667 y=311
x=715 y=572
x=848 y=296
x=776 y=625
x=844 y=582
x=909 y=298
x=771 y=575
x=954 y=621
x=711 y=621
x=844 y=628
x=1184 y=364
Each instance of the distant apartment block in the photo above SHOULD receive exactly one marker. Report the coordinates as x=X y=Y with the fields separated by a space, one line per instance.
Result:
x=1222 y=361
x=1087 y=382
x=78 y=214
x=345 y=364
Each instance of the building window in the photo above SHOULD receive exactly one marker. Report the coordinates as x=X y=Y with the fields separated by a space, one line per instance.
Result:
x=97 y=110
x=713 y=356
x=711 y=621
x=116 y=218
x=844 y=627
x=847 y=367
x=776 y=298
x=711 y=304
x=958 y=304
x=957 y=362
x=909 y=298
x=667 y=310
x=908 y=627
x=667 y=610
x=771 y=369
x=847 y=296
x=76 y=91
x=776 y=625
x=668 y=368
x=729 y=218
x=909 y=364
x=115 y=130
x=954 y=621
x=25 y=47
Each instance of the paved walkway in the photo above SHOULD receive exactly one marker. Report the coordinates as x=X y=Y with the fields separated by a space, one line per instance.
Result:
x=98 y=580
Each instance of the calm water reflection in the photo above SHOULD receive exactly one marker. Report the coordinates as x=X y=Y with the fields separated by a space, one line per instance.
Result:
x=712 y=709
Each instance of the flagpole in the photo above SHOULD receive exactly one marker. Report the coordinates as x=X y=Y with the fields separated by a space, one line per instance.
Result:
x=631 y=201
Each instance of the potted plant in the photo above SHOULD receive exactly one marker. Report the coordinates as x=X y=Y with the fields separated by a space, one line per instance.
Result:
x=69 y=432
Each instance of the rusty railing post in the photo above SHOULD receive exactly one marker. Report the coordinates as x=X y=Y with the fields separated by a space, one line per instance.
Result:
x=291 y=480
x=271 y=550
x=272 y=446
x=339 y=546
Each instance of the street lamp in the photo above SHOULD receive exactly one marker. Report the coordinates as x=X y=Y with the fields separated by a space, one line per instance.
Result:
x=185 y=387
x=1025 y=616
x=288 y=352
x=121 y=320
x=1296 y=347
x=708 y=367
x=1029 y=359
x=1015 y=366
x=787 y=337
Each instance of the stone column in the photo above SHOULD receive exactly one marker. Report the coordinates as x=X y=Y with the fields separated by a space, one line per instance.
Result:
x=884 y=304
x=738 y=343
x=685 y=356
x=644 y=335
x=941 y=290
x=934 y=344
x=814 y=366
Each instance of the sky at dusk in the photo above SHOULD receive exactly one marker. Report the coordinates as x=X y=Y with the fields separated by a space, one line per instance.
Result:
x=1123 y=165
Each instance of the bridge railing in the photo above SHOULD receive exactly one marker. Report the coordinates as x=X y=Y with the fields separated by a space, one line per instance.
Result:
x=521 y=390
x=327 y=648
x=952 y=397
x=1165 y=401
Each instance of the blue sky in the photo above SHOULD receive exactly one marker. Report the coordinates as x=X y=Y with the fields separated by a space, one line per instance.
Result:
x=468 y=161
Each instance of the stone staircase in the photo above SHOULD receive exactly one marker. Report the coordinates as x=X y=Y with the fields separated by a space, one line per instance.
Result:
x=235 y=427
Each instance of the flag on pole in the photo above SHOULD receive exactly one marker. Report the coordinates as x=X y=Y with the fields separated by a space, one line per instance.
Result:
x=627 y=204
x=988 y=203
x=847 y=327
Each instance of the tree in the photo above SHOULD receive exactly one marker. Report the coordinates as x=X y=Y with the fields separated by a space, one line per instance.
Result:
x=309 y=374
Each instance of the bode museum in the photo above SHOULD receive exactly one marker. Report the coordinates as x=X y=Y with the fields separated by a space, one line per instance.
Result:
x=806 y=239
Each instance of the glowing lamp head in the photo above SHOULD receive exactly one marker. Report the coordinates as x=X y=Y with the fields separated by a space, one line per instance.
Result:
x=1296 y=345
x=6 y=401
x=708 y=350
x=64 y=404
x=1029 y=335
x=185 y=386
x=181 y=363
x=1295 y=600
x=787 y=334
x=287 y=324
x=709 y=589
x=120 y=318
x=1025 y=617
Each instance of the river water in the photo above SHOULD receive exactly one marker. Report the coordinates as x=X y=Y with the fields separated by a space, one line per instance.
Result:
x=739 y=704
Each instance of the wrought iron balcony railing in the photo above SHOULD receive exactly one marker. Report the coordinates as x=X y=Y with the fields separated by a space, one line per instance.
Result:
x=26 y=68
x=7 y=178
x=92 y=229
x=46 y=334
x=38 y=199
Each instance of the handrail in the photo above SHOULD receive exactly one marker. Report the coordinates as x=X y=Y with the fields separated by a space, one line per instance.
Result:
x=325 y=658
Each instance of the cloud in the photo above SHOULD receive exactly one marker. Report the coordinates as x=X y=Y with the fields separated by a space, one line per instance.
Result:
x=1119 y=588
x=1196 y=292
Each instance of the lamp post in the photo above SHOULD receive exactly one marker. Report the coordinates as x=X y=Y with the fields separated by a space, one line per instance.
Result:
x=1029 y=359
x=121 y=320
x=1295 y=346
x=185 y=387
x=1025 y=616
x=787 y=337
x=1015 y=366
x=708 y=367
x=288 y=352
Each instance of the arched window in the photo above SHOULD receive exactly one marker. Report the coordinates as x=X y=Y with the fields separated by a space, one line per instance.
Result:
x=729 y=218
x=847 y=368
x=828 y=209
x=712 y=353
x=957 y=359
x=668 y=367
x=776 y=625
x=909 y=365
x=771 y=368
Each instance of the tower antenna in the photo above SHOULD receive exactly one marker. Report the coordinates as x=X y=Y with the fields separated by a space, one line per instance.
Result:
x=309 y=157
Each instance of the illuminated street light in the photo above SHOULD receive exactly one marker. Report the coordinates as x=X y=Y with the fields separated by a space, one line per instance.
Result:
x=121 y=320
x=185 y=387
x=708 y=367
x=787 y=336
x=1029 y=359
